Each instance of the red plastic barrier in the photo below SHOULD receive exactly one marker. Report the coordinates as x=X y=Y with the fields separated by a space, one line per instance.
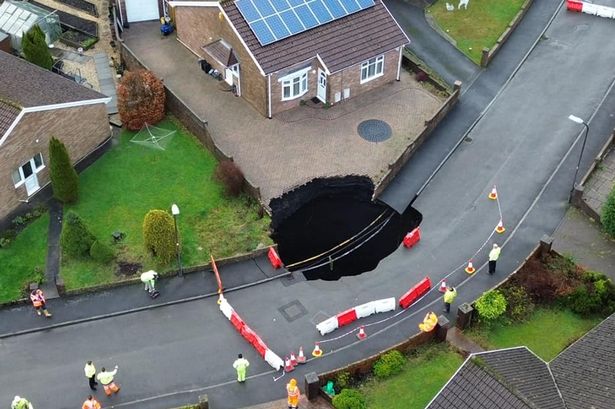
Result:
x=275 y=260
x=248 y=334
x=346 y=317
x=412 y=238
x=573 y=5
x=237 y=322
x=415 y=292
x=259 y=345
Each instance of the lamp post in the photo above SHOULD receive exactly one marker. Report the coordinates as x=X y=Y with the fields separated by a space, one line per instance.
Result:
x=578 y=120
x=175 y=212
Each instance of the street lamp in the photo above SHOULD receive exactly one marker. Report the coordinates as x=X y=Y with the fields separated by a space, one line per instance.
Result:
x=175 y=212
x=578 y=120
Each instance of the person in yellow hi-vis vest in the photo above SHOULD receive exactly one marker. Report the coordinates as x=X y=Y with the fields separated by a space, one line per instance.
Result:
x=293 y=394
x=241 y=365
x=106 y=378
x=429 y=322
x=494 y=255
x=449 y=298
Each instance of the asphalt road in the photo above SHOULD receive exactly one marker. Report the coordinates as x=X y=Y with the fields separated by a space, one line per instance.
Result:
x=169 y=355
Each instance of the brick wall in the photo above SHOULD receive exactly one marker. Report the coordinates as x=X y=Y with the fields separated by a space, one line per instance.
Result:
x=198 y=26
x=277 y=105
x=81 y=129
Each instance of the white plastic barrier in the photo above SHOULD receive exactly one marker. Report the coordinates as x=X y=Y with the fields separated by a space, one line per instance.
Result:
x=327 y=326
x=272 y=359
x=597 y=10
x=365 y=310
x=385 y=305
x=225 y=307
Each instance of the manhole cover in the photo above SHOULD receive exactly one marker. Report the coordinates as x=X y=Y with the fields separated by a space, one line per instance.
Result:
x=374 y=130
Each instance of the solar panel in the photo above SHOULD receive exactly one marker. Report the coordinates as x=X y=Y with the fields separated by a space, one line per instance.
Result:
x=274 y=20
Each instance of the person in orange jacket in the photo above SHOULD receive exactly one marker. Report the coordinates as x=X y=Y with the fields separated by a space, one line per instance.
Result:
x=293 y=394
x=38 y=301
x=90 y=403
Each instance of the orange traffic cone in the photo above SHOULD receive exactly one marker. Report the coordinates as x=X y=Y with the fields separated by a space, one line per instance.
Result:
x=442 y=288
x=301 y=358
x=362 y=335
x=293 y=359
x=500 y=227
x=317 y=352
x=470 y=268
x=494 y=194
x=288 y=365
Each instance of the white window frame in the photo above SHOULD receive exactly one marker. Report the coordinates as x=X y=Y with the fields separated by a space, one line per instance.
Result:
x=35 y=169
x=372 y=63
x=288 y=81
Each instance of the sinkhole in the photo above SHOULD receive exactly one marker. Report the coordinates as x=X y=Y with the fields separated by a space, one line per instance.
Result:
x=330 y=228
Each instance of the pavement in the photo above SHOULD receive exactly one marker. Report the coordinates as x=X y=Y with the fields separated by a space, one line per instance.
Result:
x=106 y=80
x=597 y=188
x=52 y=261
x=521 y=141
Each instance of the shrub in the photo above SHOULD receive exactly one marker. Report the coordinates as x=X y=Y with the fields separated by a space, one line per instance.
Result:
x=491 y=305
x=231 y=176
x=342 y=380
x=76 y=237
x=389 y=364
x=35 y=48
x=595 y=295
x=519 y=304
x=64 y=178
x=349 y=399
x=100 y=252
x=159 y=235
x=140 y=99
x=607 y=218
x=545 y=284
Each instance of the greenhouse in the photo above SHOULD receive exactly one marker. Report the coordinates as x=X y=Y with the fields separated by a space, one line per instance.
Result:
x=17 y=17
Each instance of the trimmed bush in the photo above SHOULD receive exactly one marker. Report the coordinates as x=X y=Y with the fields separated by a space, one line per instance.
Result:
x=76 y=238
x=140 y=99
x=64 y=178
x=35 y=48
x=389 y=364
x=349 y=399
x=231 y=176
x=159 y=235
x=519 y=303
x=491 y=305
x=607 y=218
x=101 y=252
x=342 y=380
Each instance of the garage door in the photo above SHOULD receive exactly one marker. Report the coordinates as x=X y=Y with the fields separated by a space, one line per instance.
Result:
x=141 y=10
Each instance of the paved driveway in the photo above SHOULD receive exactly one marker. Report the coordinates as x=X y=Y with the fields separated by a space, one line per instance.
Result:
x=293 y=148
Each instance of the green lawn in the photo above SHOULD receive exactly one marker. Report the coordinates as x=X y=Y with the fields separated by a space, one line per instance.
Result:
x=20 y=261
x=546 y=333
x=477 y=27
x=121 y=187
x=417 y=384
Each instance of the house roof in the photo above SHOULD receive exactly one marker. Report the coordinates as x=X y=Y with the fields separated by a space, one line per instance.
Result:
x=585 y=371
x=8 y=114
x=509 y=378
x=221 y=52
x=27 y=85
x=340 y=44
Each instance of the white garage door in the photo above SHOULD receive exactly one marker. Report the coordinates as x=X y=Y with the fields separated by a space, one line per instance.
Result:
x=141 y=10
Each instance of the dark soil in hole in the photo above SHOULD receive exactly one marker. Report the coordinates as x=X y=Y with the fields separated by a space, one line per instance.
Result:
x=126 y=268
x=331 y=214
x=81 y=5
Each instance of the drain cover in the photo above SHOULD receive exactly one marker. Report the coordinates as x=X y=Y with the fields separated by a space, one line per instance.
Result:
x=374 y=130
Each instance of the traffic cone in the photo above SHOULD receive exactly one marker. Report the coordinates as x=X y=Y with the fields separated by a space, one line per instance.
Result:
x=288 y=365
x=500 y=227
x=293 y=359
x=362 y=335
x=494 y=194
x=317 y=352
x=301 y=358
x=442 y=288
x=470 y=268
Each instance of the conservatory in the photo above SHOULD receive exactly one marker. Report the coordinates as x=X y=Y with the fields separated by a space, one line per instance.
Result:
x=17 y=17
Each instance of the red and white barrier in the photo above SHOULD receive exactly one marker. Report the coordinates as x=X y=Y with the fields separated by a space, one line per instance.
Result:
x=410 y=239
x=274 y=259
x=249 y=335
x=589 y=8
x=353 y=314
x=415 y=293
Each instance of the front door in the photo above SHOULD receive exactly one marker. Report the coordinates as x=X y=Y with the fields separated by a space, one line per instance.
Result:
x=321 y=92
x=31 y=181
x=228 y=76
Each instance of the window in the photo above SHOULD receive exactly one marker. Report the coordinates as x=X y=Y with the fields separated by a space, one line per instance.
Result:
x=26 y=170
x=294 y=85
x=372 y=68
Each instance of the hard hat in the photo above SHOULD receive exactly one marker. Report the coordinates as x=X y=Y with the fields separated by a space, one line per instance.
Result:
x=293 y=382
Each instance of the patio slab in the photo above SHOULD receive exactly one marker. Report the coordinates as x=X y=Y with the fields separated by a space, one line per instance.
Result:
x=296 y=146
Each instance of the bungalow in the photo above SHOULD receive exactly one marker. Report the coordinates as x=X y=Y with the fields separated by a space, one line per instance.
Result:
x=36 y=104
x=276 y=53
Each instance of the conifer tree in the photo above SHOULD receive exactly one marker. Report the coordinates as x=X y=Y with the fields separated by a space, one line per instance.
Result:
x=35 y=48
x=64 y=178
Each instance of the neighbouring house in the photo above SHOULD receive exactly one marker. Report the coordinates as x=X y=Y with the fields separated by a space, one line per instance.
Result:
x=36 y=104
x=580 y=377
x=275 y=54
